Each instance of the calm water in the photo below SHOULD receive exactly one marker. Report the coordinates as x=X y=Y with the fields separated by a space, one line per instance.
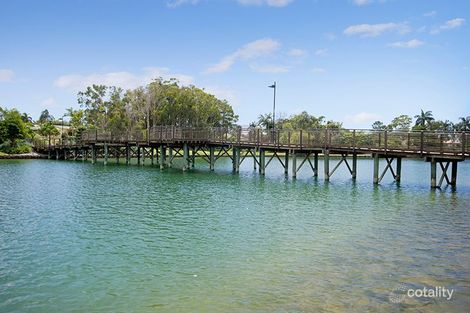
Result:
x=76 y=237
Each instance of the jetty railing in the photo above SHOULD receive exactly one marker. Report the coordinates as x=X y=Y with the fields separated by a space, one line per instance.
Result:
x=419 y=142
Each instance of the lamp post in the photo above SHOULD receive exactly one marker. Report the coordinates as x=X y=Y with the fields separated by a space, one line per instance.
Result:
x=274 y=104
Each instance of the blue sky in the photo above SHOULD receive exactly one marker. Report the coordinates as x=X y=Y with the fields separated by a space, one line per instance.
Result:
x=354 y=61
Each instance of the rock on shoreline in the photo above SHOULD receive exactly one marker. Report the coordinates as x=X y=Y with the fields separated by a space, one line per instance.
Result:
x=30 y=155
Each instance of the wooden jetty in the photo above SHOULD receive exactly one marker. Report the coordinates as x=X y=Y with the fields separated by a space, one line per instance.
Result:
x=292 y=148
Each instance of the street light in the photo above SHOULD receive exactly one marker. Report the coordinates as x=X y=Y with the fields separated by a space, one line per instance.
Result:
x=274 y=104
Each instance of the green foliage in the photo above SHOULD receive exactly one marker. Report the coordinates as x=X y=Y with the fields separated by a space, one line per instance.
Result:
x=438 y=125
x=463 y=125
x=304 y=121
x=20 y=146
x=159 y=103
x=402 y=123
x=45 y=117
x=424 y=118
x=378 y=125
x=13 y=131
x=266 y=121
x=48 y=130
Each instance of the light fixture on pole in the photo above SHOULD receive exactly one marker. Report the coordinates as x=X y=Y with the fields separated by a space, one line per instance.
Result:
x=274 y=104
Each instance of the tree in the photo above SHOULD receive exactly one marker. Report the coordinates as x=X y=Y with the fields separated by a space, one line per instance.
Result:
x=48 y=129
x=424 y=118
x=464 y=124
x=26 y=118
x=446 y=125
x=334 y=125
x=45 y=117
x=305 y=121
x=265 y=120
x=378 y=125
x=93 y=101
x=253 y=125
x=12 y=127
x=402 y=122
x=162 y=102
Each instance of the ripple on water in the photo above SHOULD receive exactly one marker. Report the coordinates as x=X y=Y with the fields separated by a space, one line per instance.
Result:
x=117 y=238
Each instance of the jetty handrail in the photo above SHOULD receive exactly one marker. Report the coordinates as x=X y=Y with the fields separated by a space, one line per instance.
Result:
x=418 y=142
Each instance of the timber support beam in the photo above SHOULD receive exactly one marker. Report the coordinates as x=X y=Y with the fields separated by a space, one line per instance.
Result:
x=444 y=165
x=396 y=174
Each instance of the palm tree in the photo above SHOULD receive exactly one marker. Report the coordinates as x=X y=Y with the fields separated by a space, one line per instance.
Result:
x=448 y=126
x=48 y=129
x=253 y=125
x=26 y=118
x=265 y=120
x=424 y=118
x=465 y=123
x=45 y=117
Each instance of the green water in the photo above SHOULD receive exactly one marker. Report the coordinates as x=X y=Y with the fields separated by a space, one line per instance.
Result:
x=77 y=237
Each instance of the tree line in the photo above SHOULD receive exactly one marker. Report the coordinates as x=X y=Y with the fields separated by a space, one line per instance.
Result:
x=303 y=120
x=423 y=121
x=166 y=102
x=161 y=102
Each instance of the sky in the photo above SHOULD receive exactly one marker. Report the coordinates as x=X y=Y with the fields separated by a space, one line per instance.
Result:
x=354 y=61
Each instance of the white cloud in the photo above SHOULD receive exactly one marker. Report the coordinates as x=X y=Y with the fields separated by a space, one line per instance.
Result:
x=413 y=43
x=321 y=52
x=49 y=103
x=361 y=2
x=319 y=70
x=374 y=30
x=122 y=79
x=450 y=24
x=251 y=50
x=176 y=3
x=363 y=117
x=430 y=14
x=271 y=3
x=269 y=68
x=223 y=93
x=296 y=52
x=6 y=75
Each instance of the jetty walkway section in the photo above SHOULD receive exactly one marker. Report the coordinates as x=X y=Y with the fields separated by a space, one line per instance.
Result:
x=292 y=148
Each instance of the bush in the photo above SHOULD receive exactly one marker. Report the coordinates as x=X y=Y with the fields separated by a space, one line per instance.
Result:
x=20 y=147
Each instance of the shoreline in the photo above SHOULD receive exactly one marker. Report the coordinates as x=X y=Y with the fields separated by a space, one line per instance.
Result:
x=23 y=156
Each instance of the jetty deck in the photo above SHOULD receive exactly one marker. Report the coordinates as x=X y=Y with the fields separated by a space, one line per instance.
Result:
x=162 y=144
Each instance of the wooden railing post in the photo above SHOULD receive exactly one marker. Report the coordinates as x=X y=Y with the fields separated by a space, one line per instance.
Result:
x=300 y=141
x=326 y=138
x=441 y=143
x=354 y=140
x=422 y=142
x=464 y=143
x=386 y=139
